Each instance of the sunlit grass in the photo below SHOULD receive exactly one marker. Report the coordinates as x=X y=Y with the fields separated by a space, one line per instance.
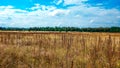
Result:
x=59 y=50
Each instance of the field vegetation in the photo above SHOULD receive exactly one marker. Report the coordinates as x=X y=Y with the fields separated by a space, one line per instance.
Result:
x=23 y=49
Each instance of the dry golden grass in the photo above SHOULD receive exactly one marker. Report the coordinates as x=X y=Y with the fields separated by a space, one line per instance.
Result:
x=59 y=50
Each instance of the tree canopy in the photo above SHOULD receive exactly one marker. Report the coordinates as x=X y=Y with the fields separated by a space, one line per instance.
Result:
x=100 y=29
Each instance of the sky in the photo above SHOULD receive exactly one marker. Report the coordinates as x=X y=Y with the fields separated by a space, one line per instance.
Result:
x=60 y=13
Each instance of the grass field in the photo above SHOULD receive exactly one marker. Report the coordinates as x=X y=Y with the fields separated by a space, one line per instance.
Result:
x=59 y=50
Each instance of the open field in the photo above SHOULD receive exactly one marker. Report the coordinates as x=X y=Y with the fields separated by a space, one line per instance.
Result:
x=59 y=50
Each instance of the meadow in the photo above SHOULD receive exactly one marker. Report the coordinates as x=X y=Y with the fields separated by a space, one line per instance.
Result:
x=24 y=49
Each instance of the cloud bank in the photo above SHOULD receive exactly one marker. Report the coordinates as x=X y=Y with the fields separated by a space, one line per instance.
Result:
x=79 y=15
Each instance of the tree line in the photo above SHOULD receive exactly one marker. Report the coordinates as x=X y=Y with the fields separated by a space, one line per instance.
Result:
x=100 y=29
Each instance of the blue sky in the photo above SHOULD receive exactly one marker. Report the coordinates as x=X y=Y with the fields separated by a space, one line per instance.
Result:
x=73 y=13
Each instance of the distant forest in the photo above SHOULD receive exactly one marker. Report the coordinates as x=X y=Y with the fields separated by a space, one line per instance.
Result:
x=100 y=29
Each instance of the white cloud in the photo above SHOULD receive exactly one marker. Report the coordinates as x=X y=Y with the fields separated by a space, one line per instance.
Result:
x=41 y=15
x=6 y=7
x=91 y=21
x=9 y=10
x=68 y=2
x=57 y=2
x=37 y=6
x=59 y=12
x=42 y=7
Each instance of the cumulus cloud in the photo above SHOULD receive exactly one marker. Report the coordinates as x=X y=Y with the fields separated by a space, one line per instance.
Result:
x=59 y=12
x=6 y=7
x=76 y=2
x=39 y=15
x=57 y=2
x=42 y=7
